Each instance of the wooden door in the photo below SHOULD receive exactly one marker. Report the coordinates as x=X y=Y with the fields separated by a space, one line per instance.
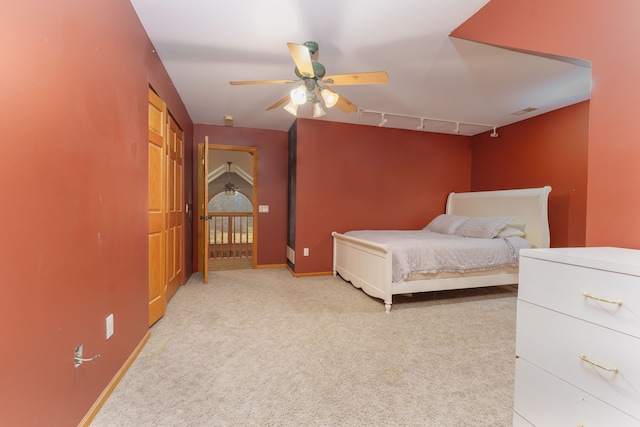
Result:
x=156 y=202
x=173 y=209
x=205 y=218
x=204 y=238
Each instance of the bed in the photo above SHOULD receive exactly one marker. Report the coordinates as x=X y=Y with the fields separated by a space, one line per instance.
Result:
x=368 y=264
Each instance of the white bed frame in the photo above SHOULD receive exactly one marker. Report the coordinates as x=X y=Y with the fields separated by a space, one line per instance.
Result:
x=367 y=265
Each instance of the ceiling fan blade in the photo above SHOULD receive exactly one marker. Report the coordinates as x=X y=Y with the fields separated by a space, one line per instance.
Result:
x=302 y=58
x=370 y=78
x=262 y=82
x=345 y=105
x=279 y=103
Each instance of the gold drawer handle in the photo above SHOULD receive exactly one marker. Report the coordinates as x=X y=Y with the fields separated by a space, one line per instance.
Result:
x=586 y=359
x=588 y=295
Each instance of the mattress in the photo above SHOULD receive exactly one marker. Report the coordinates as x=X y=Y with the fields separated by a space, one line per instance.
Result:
x=426 y=252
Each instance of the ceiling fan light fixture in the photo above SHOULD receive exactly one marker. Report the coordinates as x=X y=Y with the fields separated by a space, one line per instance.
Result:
x=230 y=189
x=329 y=96
x=311 y=73
x=291 y=108
x=318 y=111
x=299 y=95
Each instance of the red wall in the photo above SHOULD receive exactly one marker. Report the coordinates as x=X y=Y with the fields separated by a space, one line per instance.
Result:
x=366 y=177
x=550 y=149
x=73 y=222
x=272 y=184
x=605 y=33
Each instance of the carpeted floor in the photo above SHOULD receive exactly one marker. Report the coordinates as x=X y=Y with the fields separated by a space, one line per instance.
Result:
x=262 y=348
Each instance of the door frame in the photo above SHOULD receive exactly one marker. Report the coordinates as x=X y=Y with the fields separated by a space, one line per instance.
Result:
x=202 y=205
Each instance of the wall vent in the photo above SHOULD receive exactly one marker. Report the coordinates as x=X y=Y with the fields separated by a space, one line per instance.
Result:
x=291 y=255
x=524 y=111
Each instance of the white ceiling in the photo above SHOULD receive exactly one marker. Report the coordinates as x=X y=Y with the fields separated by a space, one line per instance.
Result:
x=204 y=44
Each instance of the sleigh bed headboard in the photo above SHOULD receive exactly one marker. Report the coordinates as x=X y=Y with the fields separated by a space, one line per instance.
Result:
x=528 y=207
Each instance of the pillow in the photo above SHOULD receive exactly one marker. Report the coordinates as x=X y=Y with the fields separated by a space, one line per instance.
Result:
x=446 y=223
x=511 y=232
x=484 y=227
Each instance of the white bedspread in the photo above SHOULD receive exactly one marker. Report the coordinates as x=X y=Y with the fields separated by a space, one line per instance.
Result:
x=422 y=251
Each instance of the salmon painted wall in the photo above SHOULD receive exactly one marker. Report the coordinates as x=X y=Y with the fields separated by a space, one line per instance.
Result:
x=608 y=35
x=549 y=149
x=73 y=87
x=272 y=184
x=366 y=177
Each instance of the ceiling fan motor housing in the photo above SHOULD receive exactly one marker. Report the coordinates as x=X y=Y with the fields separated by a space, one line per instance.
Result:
x=318 y=71
x=313 y=47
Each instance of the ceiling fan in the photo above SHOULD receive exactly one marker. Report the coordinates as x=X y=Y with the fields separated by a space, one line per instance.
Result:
x=230 y=188
x=311 y=73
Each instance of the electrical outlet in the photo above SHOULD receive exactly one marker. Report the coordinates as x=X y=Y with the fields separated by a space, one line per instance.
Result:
x=109 y=326
x=305 y=252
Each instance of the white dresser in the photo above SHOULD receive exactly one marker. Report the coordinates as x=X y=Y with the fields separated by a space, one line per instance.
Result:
x=578 y=338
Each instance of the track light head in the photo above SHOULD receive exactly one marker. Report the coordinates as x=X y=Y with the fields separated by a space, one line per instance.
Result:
x=494 y=134
x=457 y=129
x=383 y=122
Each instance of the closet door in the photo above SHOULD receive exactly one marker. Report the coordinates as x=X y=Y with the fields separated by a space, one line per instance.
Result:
x=173 y=213
x=157 y=203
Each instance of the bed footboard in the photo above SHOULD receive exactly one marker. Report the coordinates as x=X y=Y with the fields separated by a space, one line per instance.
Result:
x=367 y=265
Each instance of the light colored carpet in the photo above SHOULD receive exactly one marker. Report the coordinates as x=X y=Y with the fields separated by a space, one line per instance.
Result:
x=262 y=348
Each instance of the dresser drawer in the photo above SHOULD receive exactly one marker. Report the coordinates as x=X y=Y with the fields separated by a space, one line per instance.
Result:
x=544 y=400
x=562 y=287
x=555 y=342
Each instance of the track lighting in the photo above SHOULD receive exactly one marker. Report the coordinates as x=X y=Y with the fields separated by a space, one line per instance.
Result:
x=422 y=126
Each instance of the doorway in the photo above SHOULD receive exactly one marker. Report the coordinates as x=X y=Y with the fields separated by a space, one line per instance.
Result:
x=230 y=190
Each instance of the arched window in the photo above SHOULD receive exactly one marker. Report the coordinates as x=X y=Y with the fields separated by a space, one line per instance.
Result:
x=231 y=225
x=235 y=202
